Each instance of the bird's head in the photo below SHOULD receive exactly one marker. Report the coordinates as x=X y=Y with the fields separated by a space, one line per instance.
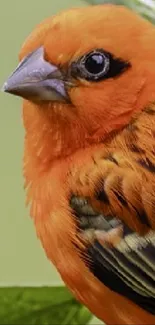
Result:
x=86 y=71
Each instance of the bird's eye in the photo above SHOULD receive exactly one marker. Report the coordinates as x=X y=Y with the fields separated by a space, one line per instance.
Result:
x=97 y=65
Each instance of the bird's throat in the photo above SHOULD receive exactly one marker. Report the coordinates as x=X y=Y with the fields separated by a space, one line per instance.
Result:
x=50 y=136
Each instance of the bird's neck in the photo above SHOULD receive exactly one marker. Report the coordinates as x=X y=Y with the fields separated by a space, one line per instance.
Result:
x=52 y=136
x=49 y=136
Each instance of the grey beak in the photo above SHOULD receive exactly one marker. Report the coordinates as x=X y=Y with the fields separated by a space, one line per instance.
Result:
x=37 y=79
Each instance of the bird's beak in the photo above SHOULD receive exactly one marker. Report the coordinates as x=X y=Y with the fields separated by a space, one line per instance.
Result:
x=37 y=79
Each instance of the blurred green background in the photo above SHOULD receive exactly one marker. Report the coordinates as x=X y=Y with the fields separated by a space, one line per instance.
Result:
x=22 y=260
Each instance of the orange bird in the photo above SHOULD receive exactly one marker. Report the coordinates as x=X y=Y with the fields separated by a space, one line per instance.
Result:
x=87 y=77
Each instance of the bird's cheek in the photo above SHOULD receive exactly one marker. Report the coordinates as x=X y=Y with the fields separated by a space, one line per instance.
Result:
x=78 y=94
x=74 y=94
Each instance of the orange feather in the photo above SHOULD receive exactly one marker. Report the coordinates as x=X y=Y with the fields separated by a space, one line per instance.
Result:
x=105 y=133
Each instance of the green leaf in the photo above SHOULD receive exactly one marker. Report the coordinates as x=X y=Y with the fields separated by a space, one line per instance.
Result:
x=145 y=8
x=43 y=305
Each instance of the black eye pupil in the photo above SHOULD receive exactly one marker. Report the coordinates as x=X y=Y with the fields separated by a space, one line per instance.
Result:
x=94 y=63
